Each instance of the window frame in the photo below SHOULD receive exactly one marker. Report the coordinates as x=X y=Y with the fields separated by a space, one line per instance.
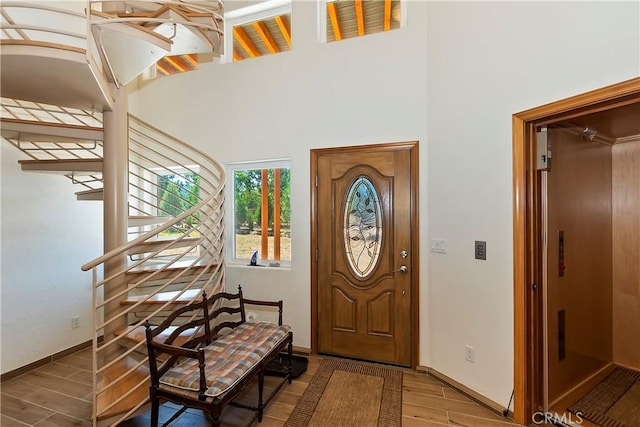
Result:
x=244 y=15
x=230 y=169
x=322 y=20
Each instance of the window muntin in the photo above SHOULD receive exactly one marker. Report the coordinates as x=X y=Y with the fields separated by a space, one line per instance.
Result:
x=253 y=190
x=362 y=227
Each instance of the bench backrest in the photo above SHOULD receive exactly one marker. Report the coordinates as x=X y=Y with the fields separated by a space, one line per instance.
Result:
x=199 y=331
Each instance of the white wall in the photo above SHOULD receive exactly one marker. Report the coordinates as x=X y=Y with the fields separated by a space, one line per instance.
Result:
x=314 y=96
x=488 y=60
x=46 y=235
x=451 y=79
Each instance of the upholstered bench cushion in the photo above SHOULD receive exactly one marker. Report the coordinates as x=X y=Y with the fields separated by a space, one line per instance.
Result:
x=228 y=359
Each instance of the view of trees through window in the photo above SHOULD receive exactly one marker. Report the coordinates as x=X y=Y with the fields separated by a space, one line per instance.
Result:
x=178 y=193
x=250 y=215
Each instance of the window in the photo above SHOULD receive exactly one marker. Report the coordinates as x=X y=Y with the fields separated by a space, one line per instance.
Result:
x=345 y=19
x=259 y=204
x=258 y=30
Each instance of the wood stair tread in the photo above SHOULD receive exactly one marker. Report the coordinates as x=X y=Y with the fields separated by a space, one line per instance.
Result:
x=106 y=397
x=7 y=120
x=95 y=194
x=153 y=245
x=176 y=266
x=164 y=297
x=65 y=166
x=137 y=334
x=141 y=220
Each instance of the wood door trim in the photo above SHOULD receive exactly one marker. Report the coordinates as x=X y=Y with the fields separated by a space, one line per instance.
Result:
x=525 y=226
x=415 y=246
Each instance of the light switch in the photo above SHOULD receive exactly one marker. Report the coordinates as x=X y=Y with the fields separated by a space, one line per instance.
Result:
x=439 y=245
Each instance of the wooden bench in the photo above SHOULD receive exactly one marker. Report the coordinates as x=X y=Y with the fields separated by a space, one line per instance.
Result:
x=223 y=354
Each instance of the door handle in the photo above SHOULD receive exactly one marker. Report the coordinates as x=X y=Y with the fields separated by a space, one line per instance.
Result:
x=402 y=269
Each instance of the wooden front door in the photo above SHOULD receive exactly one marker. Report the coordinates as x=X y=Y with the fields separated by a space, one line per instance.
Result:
x=364 y=215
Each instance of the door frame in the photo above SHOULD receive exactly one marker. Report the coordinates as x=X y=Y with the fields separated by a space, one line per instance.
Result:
x=527 y=227
x=415 y=241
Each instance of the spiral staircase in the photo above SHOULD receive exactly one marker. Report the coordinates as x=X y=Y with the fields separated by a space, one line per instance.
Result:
x=63 y=87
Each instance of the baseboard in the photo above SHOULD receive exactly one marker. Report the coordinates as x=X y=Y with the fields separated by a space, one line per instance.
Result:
x=472 y=394
x=45 y=360
x=302 y=351
x=573 y=394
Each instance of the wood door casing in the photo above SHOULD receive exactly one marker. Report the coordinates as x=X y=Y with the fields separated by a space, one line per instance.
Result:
x=365 y=317
x=526 y=226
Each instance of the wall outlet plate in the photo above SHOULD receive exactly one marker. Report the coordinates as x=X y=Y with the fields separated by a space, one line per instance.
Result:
x=469 y=354
x=481 y=249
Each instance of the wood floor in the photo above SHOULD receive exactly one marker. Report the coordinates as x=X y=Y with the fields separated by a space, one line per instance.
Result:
x=59 y=395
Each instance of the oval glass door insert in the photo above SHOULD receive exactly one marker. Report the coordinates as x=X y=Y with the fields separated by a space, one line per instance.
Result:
x=362 y=227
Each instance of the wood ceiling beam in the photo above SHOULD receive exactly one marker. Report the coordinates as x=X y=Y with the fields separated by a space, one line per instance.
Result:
x=359 y=17
x=335 y=22
x=237 y=56
x=387 y=15
x=244 y=40
x=285 y=29
x=266 y=37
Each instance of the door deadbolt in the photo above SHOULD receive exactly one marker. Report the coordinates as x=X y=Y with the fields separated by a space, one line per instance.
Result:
x=404 y=254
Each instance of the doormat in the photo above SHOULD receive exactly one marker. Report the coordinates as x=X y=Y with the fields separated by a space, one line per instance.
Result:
x=278 y=366
x=348 y=393
x=614 y=402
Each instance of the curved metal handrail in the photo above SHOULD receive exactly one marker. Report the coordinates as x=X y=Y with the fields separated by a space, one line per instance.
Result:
x=107 y=21
x=169 y=224
x=41 y=6
x=201 y=6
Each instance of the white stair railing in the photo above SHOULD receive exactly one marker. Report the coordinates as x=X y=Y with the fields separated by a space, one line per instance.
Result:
x=187 y=264
x=171 y=259
x=176 y=194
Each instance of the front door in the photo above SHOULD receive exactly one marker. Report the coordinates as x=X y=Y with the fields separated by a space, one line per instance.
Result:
x=365 y=202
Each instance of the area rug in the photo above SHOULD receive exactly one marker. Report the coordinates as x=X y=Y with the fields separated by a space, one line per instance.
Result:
x=347 y=393
x=614 y=402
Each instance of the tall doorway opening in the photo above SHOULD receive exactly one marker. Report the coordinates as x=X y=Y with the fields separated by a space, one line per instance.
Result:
x=576 y=232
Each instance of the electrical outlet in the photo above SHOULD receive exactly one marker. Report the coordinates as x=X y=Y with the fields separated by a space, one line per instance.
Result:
x=481 y=249
x=439 y=246
x=75 y=322
x=469 y=354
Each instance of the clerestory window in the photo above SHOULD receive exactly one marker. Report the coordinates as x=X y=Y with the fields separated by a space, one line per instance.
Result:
x=344 y=19
x=258 y=30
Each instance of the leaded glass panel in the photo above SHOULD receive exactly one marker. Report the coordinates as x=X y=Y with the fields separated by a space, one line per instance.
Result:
x=362 y=226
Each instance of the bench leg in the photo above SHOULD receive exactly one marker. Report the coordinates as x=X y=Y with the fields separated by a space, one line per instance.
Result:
x=290 y=352
x=260 y=390
x=155 y=408
x=215 y=412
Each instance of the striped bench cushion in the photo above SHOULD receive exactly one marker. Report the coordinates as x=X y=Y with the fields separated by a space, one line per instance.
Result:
x=228 y=359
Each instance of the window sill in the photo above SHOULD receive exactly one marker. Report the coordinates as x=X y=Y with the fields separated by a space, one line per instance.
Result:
x=286 y=267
